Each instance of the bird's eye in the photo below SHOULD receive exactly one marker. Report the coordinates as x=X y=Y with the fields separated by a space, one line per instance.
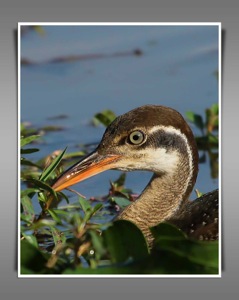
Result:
x=136 y=137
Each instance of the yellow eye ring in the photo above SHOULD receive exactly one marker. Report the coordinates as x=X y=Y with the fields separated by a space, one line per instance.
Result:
x=136 y=137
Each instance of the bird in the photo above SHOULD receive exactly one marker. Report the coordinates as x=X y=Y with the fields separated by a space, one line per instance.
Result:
x=153 y=138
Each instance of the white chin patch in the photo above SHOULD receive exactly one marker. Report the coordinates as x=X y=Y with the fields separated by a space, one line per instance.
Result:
x=160 y=160
x=157 y=160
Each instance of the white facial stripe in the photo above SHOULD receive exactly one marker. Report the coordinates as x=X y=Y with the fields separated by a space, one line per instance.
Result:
x=169 y=129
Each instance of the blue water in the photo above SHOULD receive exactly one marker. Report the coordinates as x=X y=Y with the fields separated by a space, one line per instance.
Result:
x=175 y=69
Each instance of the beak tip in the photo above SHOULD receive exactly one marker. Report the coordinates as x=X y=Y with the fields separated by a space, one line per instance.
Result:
x=91 y=165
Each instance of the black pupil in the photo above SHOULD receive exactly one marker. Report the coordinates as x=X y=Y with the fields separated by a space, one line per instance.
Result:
x=136 y=137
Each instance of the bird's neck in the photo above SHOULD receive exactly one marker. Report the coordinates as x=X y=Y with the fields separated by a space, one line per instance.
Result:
x=161 y=199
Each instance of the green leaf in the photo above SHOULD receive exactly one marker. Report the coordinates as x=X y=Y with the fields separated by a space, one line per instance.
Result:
x=28 y=151
x=26 y=162
x=120 y=181
x=171 y=239
x=25 y=219
x=213 y=139
x=205 y=253
x=97 y=207
x=198 y=193
x=31 y=239
x=215 y=108
x=168 y=231
x=124 y=241
x=43 y=223
x=74 y=154
x=202 y=253
x=195 y=119
x=97 y=243
x=45 y=187
x=85 y=205
x=61 y=212
x=54 y=216
x=58 y=236
x=28 y=140
x=29 y=191
x=29 y=213
x=32 y=259
x=64 y=197
x=105 y=117
x=47 y=172
x=122 y=202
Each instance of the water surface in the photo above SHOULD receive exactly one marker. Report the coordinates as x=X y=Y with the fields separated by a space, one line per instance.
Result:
x=121 y=67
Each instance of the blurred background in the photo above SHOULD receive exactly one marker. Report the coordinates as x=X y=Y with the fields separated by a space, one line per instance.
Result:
x=70 y=73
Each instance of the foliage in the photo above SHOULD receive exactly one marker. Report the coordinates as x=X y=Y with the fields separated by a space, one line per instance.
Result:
x=208 y=140
x=61 y=237
x=104 y=117
x=208 y=128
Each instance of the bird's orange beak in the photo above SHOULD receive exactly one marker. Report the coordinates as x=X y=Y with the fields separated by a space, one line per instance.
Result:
x=91 y=165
